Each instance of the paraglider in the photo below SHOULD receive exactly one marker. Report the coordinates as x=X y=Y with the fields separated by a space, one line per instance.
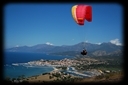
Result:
x=84 y=52
x=80 y=13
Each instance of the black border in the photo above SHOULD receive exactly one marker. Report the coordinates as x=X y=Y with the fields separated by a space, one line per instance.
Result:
x=67 y=2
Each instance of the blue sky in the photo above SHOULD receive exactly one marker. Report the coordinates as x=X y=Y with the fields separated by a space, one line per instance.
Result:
x=31 y=24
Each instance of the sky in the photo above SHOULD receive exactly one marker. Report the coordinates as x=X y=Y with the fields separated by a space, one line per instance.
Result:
x=30 y=24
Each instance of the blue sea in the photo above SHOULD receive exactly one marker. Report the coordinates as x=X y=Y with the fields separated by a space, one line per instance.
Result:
x=19 y=57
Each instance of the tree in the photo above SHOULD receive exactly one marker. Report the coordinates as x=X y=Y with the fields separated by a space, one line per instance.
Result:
x=18 y=79
x=50 y=77
x=13 y=79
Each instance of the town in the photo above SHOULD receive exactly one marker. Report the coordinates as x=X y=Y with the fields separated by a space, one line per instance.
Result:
x=82 y=66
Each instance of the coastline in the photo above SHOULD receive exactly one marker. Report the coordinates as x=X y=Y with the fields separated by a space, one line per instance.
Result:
x=19 y=71
x=42 y=77
x=46 y=77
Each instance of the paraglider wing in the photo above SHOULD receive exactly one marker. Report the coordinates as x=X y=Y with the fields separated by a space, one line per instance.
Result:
x=82 y=12
x=88 y=15
x=74 y=13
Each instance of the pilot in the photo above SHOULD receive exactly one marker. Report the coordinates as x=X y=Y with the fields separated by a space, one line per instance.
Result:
x=84 y=52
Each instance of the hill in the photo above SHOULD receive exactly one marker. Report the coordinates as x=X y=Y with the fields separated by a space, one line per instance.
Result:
x=103 y=49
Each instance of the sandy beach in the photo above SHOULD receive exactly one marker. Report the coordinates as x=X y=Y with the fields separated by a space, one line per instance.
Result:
x=44 y=77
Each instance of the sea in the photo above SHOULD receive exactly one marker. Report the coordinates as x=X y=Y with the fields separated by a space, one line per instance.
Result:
x=12 y=71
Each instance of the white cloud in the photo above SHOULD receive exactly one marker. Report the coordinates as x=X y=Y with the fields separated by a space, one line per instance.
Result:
x=86 y=41
x=98 y=43
x=17 y=46
x=48 y=43
x=116 y=42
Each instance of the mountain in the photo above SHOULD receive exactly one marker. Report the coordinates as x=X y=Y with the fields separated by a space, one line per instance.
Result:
x=103 y=49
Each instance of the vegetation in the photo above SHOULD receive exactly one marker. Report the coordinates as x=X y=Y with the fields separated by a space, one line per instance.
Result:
x=112 y=63
x=62 y=67
x=113 y=76
x=45 y=73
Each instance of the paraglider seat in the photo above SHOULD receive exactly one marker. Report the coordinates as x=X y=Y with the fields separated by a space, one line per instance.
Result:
x=84 y=52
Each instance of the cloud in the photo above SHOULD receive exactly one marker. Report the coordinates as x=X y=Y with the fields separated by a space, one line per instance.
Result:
x=73 y=39
x=86 y=41
x=98 y=43
x=48 y=43
x=17 y=46
x=116 y=42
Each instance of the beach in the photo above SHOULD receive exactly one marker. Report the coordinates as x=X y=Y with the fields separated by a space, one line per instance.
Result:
x=42 y=77
x=46 y=77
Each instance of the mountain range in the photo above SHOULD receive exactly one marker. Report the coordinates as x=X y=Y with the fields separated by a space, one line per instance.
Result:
x=103 y=49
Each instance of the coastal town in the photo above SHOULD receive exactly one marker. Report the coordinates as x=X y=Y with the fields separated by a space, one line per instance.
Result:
x=77 y=68
x=64 y=62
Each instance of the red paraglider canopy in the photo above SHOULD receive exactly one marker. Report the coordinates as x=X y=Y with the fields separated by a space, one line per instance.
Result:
x=81 y=13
